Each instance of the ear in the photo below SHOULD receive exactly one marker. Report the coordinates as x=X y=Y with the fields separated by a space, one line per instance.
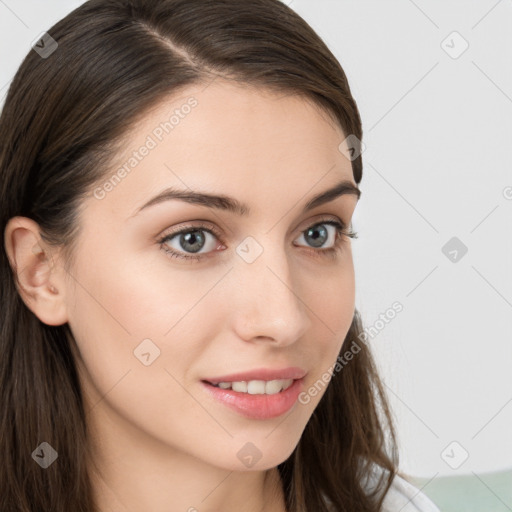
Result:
x=40 y=280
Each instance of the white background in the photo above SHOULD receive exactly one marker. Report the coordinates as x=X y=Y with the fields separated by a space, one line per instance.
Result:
x=437 y=164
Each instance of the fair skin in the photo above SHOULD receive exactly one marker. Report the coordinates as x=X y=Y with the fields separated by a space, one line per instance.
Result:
x=160 y=443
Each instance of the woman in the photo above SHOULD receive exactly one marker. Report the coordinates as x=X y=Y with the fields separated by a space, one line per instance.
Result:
x=178 y=179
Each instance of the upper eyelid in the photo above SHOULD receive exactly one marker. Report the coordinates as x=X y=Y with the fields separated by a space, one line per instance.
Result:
x=209 y=226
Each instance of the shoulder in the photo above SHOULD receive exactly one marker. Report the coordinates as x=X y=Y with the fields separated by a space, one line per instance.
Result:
x=404 y=496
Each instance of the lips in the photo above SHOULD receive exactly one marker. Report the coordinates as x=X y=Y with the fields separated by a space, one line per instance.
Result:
x=292 y=372
x=258 y=406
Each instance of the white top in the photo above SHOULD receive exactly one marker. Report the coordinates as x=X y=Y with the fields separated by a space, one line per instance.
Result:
x=403 y=496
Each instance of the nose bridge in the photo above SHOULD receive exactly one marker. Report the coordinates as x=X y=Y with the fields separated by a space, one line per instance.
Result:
x=269 y=304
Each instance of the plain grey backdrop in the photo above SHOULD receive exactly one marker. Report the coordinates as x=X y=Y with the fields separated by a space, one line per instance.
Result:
x=433 y=81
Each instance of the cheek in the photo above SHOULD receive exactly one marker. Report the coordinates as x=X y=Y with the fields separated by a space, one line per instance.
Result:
x=140 y=330
x=331 y=299
x=332 y=309
x=135 y=295
x=126 y=311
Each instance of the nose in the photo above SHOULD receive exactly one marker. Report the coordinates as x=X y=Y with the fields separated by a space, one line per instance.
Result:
x=267 y=303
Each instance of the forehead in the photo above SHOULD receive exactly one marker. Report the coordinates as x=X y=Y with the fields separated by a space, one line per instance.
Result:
x=233 y=139
x=242 y=110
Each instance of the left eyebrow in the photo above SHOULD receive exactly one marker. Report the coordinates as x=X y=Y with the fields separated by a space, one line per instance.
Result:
x=342 y=188
x=222 y=202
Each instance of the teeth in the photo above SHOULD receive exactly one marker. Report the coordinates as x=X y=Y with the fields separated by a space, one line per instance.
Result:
x=257 y=387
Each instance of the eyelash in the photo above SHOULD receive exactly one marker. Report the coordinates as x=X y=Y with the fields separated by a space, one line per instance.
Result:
x=330 y=252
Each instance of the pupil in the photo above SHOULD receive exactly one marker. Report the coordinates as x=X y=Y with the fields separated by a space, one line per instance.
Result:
x=318 y=240
x=190 y=239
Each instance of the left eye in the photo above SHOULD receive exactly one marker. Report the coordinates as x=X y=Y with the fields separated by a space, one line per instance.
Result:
x=318 y=234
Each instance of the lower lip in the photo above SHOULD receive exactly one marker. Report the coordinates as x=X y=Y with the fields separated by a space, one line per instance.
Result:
x=259 y=407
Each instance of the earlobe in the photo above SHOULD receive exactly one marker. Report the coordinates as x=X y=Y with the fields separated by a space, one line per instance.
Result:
x=39 y=280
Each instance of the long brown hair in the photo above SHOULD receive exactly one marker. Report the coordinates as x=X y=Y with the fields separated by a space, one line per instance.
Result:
x=63 y=118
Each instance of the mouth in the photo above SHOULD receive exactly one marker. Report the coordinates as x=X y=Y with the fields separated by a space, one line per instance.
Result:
x=256 y=399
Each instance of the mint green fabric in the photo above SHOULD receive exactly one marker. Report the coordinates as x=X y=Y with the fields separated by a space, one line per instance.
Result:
x=479 y=492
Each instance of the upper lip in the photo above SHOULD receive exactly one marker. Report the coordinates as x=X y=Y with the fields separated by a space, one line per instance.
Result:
x=292 y=372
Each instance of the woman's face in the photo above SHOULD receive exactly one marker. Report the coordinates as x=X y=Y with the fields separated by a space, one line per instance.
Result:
x=263 y=293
